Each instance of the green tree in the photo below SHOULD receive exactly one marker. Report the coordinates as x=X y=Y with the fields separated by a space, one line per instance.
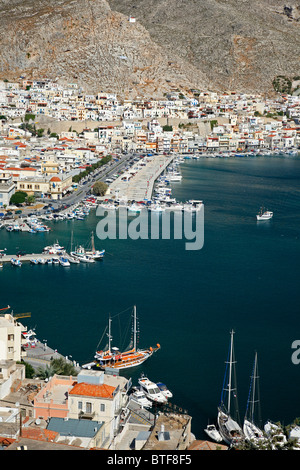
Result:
x=30 y=200
x=18 y=198
x=100 y=188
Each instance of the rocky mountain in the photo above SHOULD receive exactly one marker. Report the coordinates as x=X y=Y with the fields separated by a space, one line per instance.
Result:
x=236 y=44
x=173 y=44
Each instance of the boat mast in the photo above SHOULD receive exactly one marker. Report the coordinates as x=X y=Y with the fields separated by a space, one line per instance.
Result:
x=134 y=328
x=230 y=372
x=93 y=243
x=109 y=334
x=253 y=390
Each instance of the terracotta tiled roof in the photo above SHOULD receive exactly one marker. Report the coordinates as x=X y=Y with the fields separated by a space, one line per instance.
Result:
x=39 y=434
x=91 y=390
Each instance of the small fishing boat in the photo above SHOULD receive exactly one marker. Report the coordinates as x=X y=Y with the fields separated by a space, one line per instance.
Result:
x=41 y=261
x=213 y=433
x=34 y=261
x=55 y=260
x=264 y=215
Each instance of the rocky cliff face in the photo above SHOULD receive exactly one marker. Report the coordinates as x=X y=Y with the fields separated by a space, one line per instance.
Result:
x=85 y=41
x=237 y=44
x=174 y=44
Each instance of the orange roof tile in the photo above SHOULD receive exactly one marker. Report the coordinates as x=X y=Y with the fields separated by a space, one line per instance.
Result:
x=91 y=390
x=39 y=434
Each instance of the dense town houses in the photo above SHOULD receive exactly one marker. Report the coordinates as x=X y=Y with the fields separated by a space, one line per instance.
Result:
x=90 y=410
x=203 y=122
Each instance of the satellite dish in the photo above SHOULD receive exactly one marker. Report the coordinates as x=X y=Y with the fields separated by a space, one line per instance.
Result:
x=37 y=421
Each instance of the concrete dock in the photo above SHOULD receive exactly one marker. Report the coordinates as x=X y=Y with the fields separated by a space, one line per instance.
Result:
x=137 y=183
x=30 y=256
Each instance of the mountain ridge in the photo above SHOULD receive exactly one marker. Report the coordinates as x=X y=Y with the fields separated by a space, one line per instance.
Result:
x=172 y=45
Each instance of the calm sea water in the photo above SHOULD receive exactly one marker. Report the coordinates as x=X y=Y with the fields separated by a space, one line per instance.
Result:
x=246 y=278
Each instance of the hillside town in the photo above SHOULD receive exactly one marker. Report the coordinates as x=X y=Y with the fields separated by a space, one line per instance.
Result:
x=87 y=408
x=43 y=162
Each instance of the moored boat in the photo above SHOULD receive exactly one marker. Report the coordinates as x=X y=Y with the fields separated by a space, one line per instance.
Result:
x=115 y=359
x=213 y=433
x=151 y=390
x=229 y=428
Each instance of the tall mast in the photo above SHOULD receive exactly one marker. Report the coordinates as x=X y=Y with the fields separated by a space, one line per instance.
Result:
x=93 y=243
x=134 y=328
x=109 y=334
x=230 y=372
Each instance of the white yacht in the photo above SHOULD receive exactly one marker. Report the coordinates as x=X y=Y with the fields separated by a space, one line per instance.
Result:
x=139 y=397
x=164 y=390
x=213 y=433
x=152 y=391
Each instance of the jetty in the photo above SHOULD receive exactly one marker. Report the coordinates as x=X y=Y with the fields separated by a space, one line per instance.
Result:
x=28 y=257
x=137 y=183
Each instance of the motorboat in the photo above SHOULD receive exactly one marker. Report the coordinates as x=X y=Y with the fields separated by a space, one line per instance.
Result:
x=213 y=433
x=152 y=391
x=55 y=260
x=34 y=261
x=16 y=262
x=64 y=261
x=74 y=260
x=264 y=215
x=41 y=261
x=139 y=397
x=54 y=249
x=164 y=390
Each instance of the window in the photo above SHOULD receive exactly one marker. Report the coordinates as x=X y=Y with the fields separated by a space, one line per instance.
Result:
x=88 y=407
x=10 y=337
x=80 y=405
x=102 y=407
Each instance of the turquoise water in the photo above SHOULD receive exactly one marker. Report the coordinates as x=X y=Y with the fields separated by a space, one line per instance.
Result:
x=245 y=277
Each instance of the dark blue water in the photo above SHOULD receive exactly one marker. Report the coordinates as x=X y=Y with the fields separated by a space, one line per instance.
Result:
x=245 y=277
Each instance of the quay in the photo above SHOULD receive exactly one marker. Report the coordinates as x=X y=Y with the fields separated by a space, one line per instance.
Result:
x=137 y=183
x=30 y=256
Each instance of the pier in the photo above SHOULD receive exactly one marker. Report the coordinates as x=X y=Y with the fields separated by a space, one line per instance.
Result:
x=137 y=183
x=30 y=256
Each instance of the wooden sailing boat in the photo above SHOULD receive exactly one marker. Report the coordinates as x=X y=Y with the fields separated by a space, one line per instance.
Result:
x=113 y=358
x=251 y=430
x=91 y=251
x=229 y=428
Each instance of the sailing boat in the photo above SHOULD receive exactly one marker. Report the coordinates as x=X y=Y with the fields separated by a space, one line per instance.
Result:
x=229 y=428
x=95 y=254
x=251 y=430
x=113 y=358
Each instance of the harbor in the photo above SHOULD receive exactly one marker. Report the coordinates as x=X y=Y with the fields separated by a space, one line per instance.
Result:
x=70 y=306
